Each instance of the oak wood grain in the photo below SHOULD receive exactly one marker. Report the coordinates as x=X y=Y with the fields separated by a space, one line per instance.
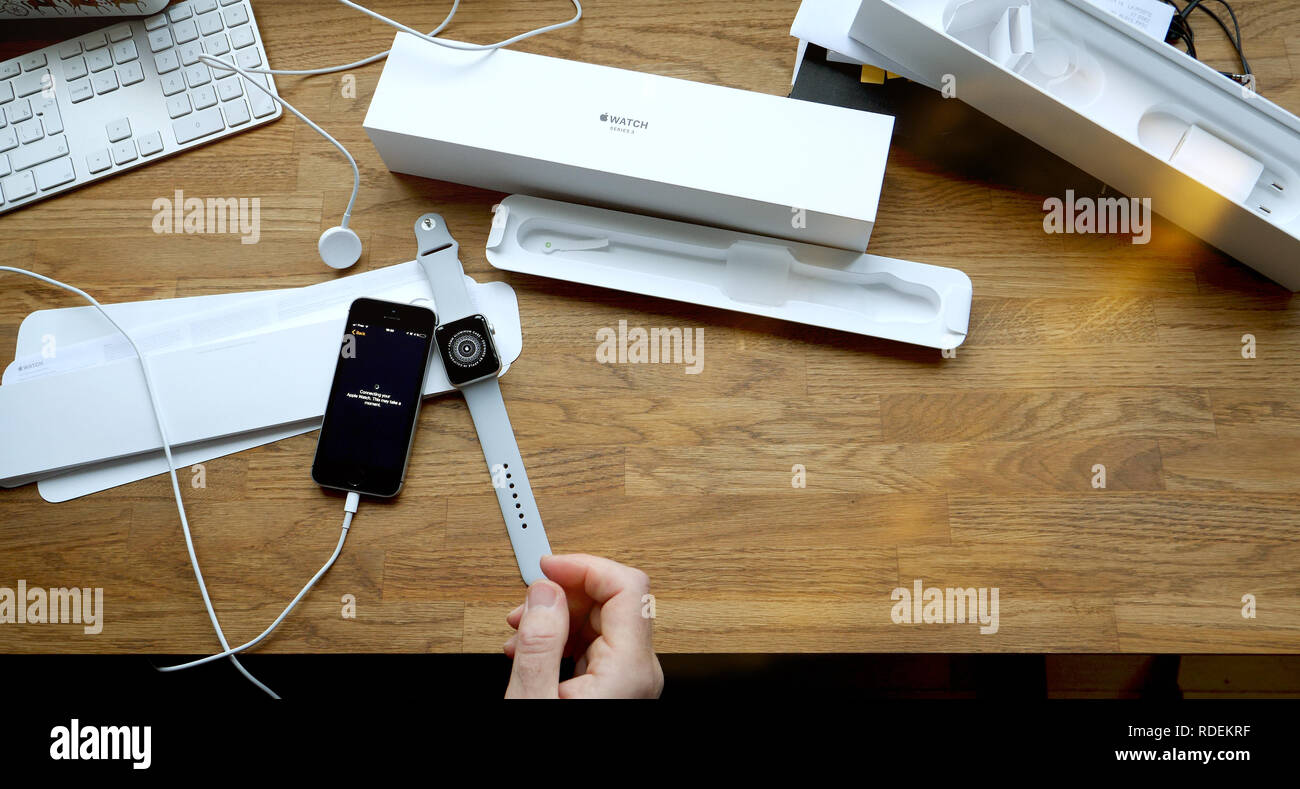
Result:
x=973 y=471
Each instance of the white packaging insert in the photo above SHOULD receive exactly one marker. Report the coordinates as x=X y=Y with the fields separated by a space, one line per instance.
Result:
x=229 y=366
x=805 y=283
x=1214 y=157
x=517 y=122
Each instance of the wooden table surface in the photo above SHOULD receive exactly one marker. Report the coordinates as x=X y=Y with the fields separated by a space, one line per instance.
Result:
x=973 y=471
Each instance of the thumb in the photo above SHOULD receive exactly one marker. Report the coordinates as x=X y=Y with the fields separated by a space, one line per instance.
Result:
x=539 y=644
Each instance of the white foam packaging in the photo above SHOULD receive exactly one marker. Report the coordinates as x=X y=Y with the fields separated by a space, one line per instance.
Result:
x=517 y=122
x=1216 y=158
x=820 y=286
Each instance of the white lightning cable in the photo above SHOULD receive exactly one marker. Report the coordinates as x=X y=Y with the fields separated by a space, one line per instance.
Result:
x=353 y=499
x=171 y=463
x=430 y=37
x=244 y=74
x=350 y=509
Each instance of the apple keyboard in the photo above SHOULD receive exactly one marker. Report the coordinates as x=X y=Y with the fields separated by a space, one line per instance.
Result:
x=127 y=95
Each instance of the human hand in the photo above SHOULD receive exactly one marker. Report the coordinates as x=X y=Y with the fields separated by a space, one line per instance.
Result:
x=589 y=608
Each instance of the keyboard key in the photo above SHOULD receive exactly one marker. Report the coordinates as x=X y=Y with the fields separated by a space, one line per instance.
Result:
x=124 y=152
x=200 y=124
x=185 y=32
x=94 y=41
x=6 y=94
x=33 y=61
x=99 y=60
x=16 y=187
x=190 y=53
x=236 y=16
x=155 y=22
x=119 y=129
x=39 y=152
x=56 y=173
x=160 y=40
x=119 y=32
x=203 y=6
x=237 y=113
x=173 y=83
x=198 y=75
x=35 y=82
x=180 y=11
x=131 y=73
x=241 y=37
x=178 y=105
x=4 y=166
x=204 y=97
x=105 y=83
x=98 y=161
x=230 y=89
x=125 y=52
x=228 y=2
x=263 y=104
x=150 y=144
x=74 y=69
x=216 y=45
x=167 y=61
x=248 y=58
x=29 y=131
x=70 y=50
x=47 y=109
x=9 y=69
x=8 y=139
x=19 y=111
x=210 y=23
x=80 y=91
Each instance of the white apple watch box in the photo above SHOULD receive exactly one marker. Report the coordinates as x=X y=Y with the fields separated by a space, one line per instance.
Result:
x=1217 y=159
x=517 y=122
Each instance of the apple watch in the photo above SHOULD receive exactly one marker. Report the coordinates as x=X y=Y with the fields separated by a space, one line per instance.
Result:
x=464 y=345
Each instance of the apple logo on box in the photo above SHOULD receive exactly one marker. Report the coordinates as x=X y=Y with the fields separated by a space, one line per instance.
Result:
x=604 y=116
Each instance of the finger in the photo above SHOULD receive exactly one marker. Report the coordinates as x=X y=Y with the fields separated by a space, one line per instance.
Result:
x=617 y=589
x=512 y=618
x=539 y=644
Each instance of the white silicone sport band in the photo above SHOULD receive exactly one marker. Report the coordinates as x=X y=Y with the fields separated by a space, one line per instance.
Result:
x=438 y=254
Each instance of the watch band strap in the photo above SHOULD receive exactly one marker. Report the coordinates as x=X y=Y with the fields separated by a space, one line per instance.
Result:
x=523 y=522
x=439 y=255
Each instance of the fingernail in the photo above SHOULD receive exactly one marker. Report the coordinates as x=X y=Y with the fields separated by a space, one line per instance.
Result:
x=519 y=609
x=540 y=595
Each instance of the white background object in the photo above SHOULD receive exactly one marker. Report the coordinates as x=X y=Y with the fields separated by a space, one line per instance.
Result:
x=250 y=405
x=518 y=122
x=820 y=286
x=1117 y=111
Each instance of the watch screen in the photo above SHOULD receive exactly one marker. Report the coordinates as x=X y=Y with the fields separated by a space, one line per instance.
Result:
x=467 y=350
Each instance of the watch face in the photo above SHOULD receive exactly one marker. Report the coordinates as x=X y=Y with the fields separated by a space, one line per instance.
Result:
x=467 y=350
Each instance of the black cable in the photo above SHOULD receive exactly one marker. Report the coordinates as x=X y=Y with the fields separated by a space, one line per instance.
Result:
x=1180 y=29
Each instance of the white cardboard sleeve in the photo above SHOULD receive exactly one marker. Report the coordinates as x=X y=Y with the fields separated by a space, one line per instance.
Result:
x=517 y=122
